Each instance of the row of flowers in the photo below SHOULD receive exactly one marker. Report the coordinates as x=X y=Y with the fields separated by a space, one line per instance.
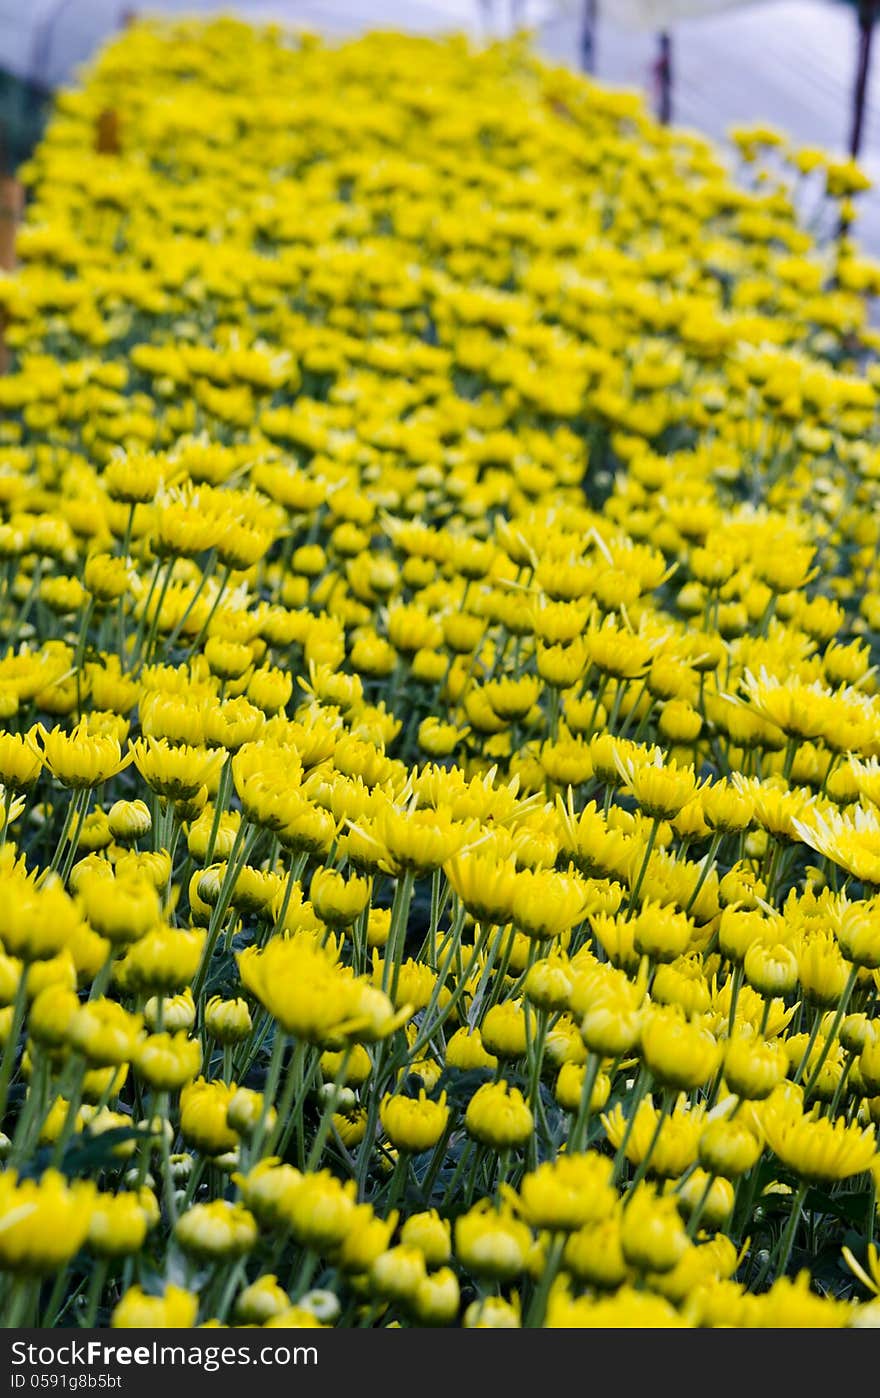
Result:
x=440 y=746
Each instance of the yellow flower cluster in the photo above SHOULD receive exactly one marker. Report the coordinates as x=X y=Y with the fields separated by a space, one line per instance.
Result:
x=440 y=750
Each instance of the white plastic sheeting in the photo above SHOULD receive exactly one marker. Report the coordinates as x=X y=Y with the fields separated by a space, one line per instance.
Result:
x=663 y=14
x=44 y=41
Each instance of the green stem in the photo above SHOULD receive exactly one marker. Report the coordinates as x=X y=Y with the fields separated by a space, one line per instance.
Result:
x=80 y=651
x=33 y=1107
x=642 y=1170
x=641 y=1087
x=234 y=1281
x=22 y=1303
x=295 y=873
x=397 y=932
x=153 y=624
x=786 y=1242
x=466 y=1151
x=578 y=1132
x=161 y=1109
x=704 y=869
x=8 y=798
x=736 y=986
x=224 y=579
x=10 y=1049
x=538 y=1309
x=398 y=1181
x=811 y=1040
x=96 y=1287
x=327 y=1113
x=535 y=1053
x=430 y=1025
x=220 y=805
x=65 y=831
x=269 y=1090
x=244 y=842
x=206 y=573
x=649 y=847
x=832 y=1035
x=81 y=803
x=694 y=1220
x=287 y=1115
x=73 y=1107
x=55 y=1305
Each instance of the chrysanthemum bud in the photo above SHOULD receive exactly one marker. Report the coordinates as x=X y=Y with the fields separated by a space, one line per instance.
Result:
x=714 y=1198
x=651 y=1235
x=593 y=1254
x=431 y=1234
x=129 y=821
x=499 y=1116
x=217 y=1229
x=228 y=1021
x=397 y=1273
x=414 y=1124
x=492 y=1243
x=728 y=1148
x=261 y=1300
x=772 y=970
x=437 y=1298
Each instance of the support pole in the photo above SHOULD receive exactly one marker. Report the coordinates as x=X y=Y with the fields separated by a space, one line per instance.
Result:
x=663 y=73
x=589 y=18
x=867 y=18
x=11 y=210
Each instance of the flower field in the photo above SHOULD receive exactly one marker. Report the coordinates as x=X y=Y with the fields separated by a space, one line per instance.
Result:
x=440 y=746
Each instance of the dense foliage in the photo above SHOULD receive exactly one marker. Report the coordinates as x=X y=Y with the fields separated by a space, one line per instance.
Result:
x=440 y=729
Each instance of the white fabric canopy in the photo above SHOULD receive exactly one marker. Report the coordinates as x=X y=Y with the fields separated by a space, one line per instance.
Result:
x=660 y=14
x=44 y=40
